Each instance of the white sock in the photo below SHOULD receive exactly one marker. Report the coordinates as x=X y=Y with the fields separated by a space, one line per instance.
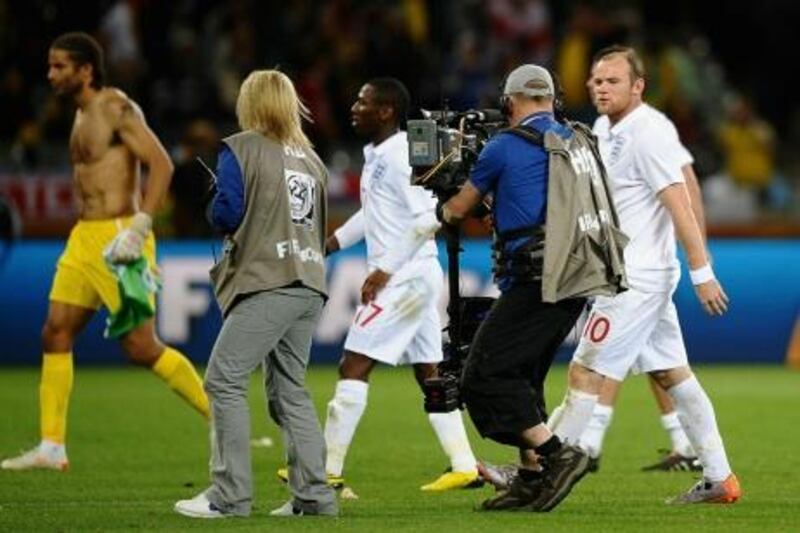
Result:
x=680 y=442
x=592 y=437
x=53 y=449
x=555 y=416
x=344 y=412
x=576 y=411
x=697 y=418
x=449 y=428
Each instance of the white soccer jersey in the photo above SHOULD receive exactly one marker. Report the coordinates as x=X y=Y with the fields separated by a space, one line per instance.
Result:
x=402 y=324
x=389 y=203
x=643 y=155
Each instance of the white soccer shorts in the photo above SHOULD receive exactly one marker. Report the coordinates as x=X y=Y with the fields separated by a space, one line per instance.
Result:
x=633 y=330
x=402 y=326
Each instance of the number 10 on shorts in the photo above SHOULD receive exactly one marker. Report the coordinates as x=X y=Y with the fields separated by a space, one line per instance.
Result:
x=597 y=328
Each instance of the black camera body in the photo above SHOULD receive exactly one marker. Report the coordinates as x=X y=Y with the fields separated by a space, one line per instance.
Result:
x=442 y=147
x=442 y=393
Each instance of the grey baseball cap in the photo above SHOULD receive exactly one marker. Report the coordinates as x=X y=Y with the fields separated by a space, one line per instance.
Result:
x=530 y=80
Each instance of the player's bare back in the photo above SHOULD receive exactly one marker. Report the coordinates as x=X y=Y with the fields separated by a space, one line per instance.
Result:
x=106 y=172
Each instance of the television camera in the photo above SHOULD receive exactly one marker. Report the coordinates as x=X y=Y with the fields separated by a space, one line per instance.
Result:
x=443 y=146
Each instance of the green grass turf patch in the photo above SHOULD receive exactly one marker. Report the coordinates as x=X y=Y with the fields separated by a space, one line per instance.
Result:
x=135 y=449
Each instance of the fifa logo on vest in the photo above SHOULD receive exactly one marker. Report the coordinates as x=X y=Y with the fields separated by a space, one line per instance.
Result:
x=302 y=191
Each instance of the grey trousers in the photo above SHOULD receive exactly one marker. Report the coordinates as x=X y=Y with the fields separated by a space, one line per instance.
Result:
x=272 y=329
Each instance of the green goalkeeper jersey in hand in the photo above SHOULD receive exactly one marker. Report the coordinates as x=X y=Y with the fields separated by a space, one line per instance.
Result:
x=136 y=283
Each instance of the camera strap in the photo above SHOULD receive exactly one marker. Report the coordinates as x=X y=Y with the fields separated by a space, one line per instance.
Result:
x=528 y=133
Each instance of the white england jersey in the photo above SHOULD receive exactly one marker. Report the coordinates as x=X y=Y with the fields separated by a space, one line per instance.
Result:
x=389 y=202
x=643 y=155
x=402 y=324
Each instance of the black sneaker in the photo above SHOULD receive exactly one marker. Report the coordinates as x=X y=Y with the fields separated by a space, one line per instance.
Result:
x=674 y=462
x=519 y=496
x=594 y=464
x=563 y=469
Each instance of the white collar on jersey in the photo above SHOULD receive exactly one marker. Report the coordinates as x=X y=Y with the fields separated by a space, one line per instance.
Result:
x=388 y=145
x=628 y=120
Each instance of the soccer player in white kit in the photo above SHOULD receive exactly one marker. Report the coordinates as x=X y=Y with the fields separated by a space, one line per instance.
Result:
x=681 y=456
x=639 y=328
x=397 y=321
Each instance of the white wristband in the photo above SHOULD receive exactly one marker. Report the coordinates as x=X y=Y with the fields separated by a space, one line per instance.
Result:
x=702 y=274
x=351 y=231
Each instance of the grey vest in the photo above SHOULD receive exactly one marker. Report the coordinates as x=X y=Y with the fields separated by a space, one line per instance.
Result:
x=281 y=238
x=583 y=251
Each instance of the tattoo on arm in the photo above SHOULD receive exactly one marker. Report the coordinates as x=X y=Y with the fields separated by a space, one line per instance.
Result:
x=126 y=111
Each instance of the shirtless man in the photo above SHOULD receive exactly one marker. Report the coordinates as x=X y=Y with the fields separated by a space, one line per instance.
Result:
x=109 y=141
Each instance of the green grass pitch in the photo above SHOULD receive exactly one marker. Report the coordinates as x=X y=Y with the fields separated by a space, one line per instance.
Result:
x=135 y=449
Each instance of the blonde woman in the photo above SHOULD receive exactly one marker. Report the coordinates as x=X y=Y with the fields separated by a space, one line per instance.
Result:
x=270 y=285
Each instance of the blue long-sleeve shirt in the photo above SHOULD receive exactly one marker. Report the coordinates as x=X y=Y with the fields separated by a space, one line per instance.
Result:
x=227 y=207
x=516 y=172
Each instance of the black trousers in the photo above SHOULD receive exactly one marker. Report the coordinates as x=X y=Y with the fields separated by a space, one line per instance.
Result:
x=503 y=381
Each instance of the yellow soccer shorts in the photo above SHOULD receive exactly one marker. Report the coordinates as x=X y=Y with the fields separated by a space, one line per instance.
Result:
x=82 y=276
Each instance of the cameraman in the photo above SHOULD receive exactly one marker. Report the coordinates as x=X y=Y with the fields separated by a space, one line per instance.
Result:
x=503 y=381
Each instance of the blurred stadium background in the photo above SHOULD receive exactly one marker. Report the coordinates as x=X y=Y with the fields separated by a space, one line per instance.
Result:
x=723 y=76
x=722 y=72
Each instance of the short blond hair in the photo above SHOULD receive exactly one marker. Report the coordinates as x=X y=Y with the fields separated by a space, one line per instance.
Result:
x=268 y=103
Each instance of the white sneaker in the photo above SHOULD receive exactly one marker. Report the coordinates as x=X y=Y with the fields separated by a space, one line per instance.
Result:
x=199 y=507
x=287 y=509
x=38 y=458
